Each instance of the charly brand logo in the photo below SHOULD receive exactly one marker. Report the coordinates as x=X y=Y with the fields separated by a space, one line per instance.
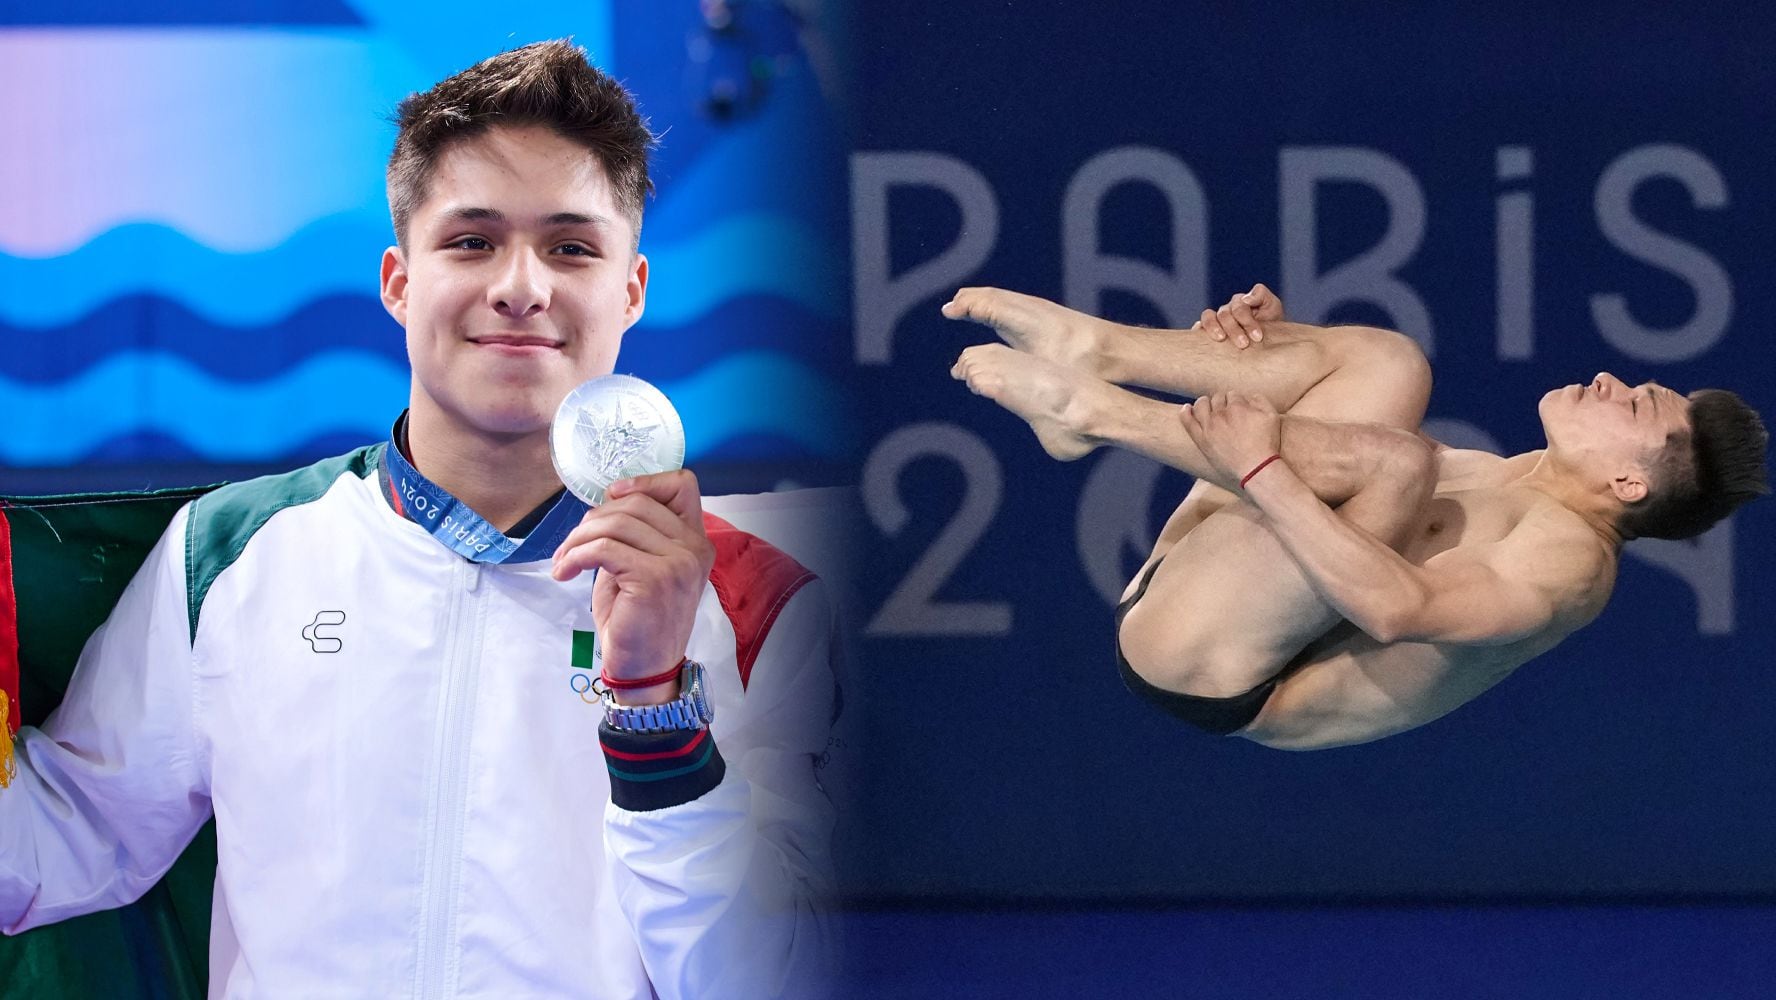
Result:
x=320 y=641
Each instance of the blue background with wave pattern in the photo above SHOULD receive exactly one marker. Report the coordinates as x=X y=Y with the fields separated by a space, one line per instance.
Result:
x=201 y=290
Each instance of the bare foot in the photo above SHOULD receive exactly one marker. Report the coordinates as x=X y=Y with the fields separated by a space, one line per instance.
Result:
x=1035 y=326
x=1048 y=396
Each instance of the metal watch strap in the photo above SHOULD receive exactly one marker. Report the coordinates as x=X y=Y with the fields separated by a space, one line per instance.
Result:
x=690 y=710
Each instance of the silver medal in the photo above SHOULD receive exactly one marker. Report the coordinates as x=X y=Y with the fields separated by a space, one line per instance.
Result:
x=611 y=428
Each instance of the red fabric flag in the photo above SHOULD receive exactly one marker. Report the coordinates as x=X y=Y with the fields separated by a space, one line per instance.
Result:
x=9 y=661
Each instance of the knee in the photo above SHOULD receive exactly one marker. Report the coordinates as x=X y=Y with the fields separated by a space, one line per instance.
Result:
x=1398 y=361
x=1403 y=358
x=1181 y=661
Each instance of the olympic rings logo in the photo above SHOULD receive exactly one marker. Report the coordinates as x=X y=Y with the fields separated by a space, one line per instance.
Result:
x=584 y=685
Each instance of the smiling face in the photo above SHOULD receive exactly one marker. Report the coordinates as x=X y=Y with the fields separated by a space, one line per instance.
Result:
x=517 y=282
x=1612 y=431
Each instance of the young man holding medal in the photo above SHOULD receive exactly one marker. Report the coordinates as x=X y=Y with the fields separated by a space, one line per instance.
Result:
x=454 y=726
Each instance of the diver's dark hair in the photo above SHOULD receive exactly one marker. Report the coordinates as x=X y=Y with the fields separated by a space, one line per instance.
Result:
x=1705 y=474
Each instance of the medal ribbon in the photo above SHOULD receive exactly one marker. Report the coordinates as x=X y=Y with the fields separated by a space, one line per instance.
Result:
x=458 y=527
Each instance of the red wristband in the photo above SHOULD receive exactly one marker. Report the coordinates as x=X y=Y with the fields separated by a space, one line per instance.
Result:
x=630 y=684
x=1259 y=468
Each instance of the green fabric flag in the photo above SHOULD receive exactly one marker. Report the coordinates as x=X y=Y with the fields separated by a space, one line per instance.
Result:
x=67 y=559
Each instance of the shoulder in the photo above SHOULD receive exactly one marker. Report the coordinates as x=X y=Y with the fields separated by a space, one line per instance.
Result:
x=1556 y=550
x=754 y=581
x=222 y=522
x=746 y=562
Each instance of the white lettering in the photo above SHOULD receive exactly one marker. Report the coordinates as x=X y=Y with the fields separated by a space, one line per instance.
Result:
x=1180 y=291
x=1706 y=278
x=1113 y=519
x=418 y=502
x=912 y=607
x=1515 y=257
x=1705 y=564
x=1369 y=276
x=466 y=533
x=881 y=299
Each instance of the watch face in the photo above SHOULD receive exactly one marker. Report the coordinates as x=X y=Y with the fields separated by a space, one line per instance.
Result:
x=699 y=694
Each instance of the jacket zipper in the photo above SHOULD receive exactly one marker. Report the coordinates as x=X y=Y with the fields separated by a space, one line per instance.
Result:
x=437 y=956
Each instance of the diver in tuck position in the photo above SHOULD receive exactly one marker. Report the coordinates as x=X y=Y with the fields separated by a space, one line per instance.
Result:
x=1334 y=576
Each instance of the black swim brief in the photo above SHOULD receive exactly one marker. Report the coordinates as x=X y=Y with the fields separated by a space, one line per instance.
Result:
x=1220 y=716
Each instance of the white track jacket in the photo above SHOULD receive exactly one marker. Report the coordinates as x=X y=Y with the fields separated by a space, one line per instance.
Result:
x=406 y=771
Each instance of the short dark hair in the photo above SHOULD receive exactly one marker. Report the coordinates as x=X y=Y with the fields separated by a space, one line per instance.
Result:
x=551 y=84
x=1703 y=475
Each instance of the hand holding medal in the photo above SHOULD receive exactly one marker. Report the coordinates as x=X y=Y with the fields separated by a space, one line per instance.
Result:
x=618 y=444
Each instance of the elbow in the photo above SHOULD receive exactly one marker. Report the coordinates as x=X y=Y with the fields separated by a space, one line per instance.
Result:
x=1396 y=614
x=1386 y=630
x=1389 y=625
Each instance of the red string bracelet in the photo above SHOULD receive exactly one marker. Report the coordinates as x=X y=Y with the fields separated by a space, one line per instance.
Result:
x=630 y=684
x=1258 y=469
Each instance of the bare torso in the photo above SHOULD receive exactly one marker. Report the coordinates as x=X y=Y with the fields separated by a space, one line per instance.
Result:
x=1347 y=687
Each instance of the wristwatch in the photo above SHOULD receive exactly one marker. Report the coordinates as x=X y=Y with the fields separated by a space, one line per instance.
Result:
x=690 y=710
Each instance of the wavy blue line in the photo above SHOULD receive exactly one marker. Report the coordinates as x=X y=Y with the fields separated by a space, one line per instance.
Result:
x=335 y=392
x=332 y=256
x=155 y=449
x=238 y=354
x=351 y=391
x=752 y=255
x=747 y=254
x=757 y=392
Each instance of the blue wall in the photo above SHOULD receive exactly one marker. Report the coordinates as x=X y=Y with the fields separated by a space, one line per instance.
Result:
x=1552 y=194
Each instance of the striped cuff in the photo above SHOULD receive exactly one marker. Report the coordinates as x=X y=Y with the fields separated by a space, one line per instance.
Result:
x=651 y=771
